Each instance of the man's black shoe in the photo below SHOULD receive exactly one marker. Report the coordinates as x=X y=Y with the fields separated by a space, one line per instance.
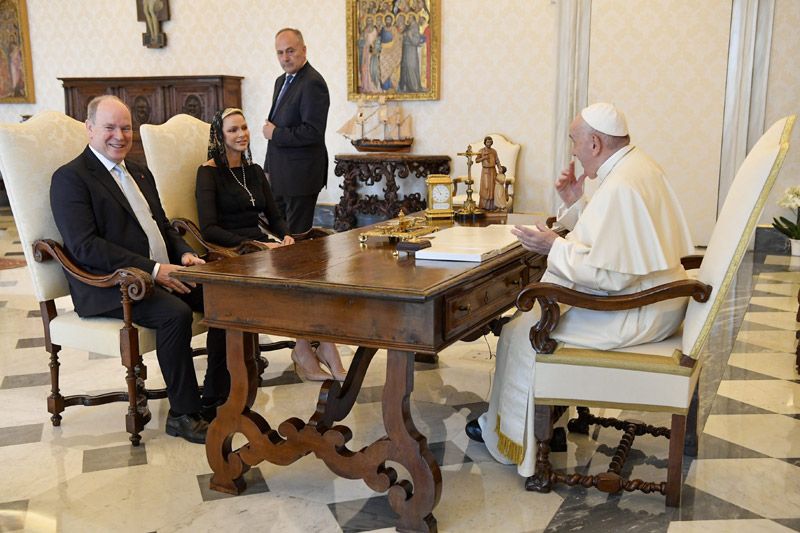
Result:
x=473 y=430
x=190 y=427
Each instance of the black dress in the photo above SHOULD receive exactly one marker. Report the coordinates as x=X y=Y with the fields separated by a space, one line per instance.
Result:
x=226 y=215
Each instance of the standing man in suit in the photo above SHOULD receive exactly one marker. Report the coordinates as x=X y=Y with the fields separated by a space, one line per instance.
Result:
x=297 y=160
x=110 y=216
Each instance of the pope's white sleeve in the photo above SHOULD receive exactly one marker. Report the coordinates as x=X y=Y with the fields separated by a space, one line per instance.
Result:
x=567 y=260
x=567 y=217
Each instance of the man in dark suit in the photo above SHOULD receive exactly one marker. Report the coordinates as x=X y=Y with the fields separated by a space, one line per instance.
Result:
x=110 y=216
x=297 y=160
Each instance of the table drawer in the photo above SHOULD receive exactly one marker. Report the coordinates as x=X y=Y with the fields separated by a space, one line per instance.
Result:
x=484 y=299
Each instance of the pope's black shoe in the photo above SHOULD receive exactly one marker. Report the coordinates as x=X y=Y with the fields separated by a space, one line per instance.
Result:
x=190 y=427
x=473 y=430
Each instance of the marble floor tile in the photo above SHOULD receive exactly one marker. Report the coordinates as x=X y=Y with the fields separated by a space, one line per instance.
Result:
x=775 y=303
x=767 y=487
x=253 y=477
x=726 y=526
x=772 y=435
x=778 y=365
x=25 y=380
x=711 y=447
x=774 y=395
x=16 y=435
x=776 y=341
x=774 y=320
x=85 y=476
x=114 y=457
x=12 y=515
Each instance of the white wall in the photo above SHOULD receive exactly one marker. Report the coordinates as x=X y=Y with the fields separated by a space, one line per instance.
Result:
x=665 y=67
x=662 y=61
x=489 y=83
x=783 y=97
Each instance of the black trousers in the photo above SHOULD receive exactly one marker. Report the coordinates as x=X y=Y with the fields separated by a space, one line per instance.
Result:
x=171 y=316
x=298 y=211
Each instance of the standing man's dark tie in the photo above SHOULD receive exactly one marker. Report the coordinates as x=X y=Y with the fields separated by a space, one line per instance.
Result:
x=286 y=83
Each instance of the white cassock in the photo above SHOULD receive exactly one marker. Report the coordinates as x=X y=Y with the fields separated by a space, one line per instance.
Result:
x=629 y=237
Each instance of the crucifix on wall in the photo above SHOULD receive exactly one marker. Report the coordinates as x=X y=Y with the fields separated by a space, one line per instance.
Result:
x=153 y=13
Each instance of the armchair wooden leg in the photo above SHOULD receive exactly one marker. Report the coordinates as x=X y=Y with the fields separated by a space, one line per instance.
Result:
x=691 y=440
x=132 y=361
x=543 y=430
x=675 y=465
x=580 y=424
x=55 y=402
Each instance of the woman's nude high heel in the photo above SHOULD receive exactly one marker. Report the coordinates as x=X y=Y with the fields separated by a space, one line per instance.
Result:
x=309 y=374
x=328 y=355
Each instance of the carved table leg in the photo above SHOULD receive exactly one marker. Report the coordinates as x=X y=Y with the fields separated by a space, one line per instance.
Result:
x=234 y=415
x=345 y=211
x=413 y=501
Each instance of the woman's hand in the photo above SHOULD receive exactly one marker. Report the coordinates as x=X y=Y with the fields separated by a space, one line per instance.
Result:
x=287 y=240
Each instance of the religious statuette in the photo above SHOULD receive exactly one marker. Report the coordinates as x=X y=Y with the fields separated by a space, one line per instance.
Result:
x=440 y=196
x=469 y=210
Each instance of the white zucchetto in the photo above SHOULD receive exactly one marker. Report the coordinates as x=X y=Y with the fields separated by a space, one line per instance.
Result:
x=606 y=118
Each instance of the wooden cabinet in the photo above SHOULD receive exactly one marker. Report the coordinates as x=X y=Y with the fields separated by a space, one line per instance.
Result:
x=153 y=100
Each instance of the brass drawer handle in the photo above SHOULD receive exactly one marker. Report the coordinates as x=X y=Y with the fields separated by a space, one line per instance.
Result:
x=465 y=307
x=516 y=282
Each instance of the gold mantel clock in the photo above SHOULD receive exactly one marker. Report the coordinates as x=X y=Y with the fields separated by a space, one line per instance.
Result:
x=440 y=196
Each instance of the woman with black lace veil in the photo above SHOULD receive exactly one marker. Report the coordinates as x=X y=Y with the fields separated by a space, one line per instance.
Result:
x=233 y=194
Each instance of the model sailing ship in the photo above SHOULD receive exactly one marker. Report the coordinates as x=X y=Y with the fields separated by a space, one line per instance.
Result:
x=379 y=127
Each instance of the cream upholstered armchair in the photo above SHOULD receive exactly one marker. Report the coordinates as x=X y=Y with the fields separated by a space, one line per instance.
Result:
x=174 y=150
x=661 y=376
x=507 y=153
x=29 y=154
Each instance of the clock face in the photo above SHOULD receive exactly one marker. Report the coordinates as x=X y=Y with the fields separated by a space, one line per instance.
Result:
x=441 y=195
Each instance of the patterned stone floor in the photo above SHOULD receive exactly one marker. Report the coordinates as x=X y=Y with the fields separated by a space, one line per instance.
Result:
x=84 y=475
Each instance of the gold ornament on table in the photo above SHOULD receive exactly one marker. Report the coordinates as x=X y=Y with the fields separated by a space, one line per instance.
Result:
x=440 y=196
x=403 y=228
x=469 y=210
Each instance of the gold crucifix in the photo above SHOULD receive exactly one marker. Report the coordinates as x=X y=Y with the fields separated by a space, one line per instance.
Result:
x=469 y=209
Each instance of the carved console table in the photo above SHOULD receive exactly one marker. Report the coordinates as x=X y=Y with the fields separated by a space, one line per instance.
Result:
x=153 y=100
x=375 y=168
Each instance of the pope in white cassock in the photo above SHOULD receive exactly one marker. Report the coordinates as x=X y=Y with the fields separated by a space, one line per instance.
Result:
x=629 y=237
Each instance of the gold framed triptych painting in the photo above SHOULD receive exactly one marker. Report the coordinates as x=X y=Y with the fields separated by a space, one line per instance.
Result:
x=16 y=70
x=393 y=49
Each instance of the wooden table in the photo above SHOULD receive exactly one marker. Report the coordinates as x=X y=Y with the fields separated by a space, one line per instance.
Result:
x=369 y=169
x=335 y=289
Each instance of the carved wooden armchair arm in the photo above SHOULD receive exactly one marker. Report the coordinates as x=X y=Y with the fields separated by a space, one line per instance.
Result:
x=215 y=251
x=549 y=295
x=134 y=284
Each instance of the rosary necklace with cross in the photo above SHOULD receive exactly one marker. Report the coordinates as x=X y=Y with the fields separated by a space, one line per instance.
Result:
x=243 y=184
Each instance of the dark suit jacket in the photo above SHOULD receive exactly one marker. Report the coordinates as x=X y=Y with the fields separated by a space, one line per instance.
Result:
x=100 y=230
x=297 y=160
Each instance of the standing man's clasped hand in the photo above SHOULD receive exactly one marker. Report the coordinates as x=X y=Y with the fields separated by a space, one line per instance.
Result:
x=569 y=187
x=538 y=240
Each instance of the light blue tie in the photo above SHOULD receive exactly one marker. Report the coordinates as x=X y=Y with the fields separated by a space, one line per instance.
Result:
x=286 y=83
x=158 y=249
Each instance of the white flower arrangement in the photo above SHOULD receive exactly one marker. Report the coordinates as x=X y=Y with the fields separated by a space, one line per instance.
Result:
x=790 y=200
